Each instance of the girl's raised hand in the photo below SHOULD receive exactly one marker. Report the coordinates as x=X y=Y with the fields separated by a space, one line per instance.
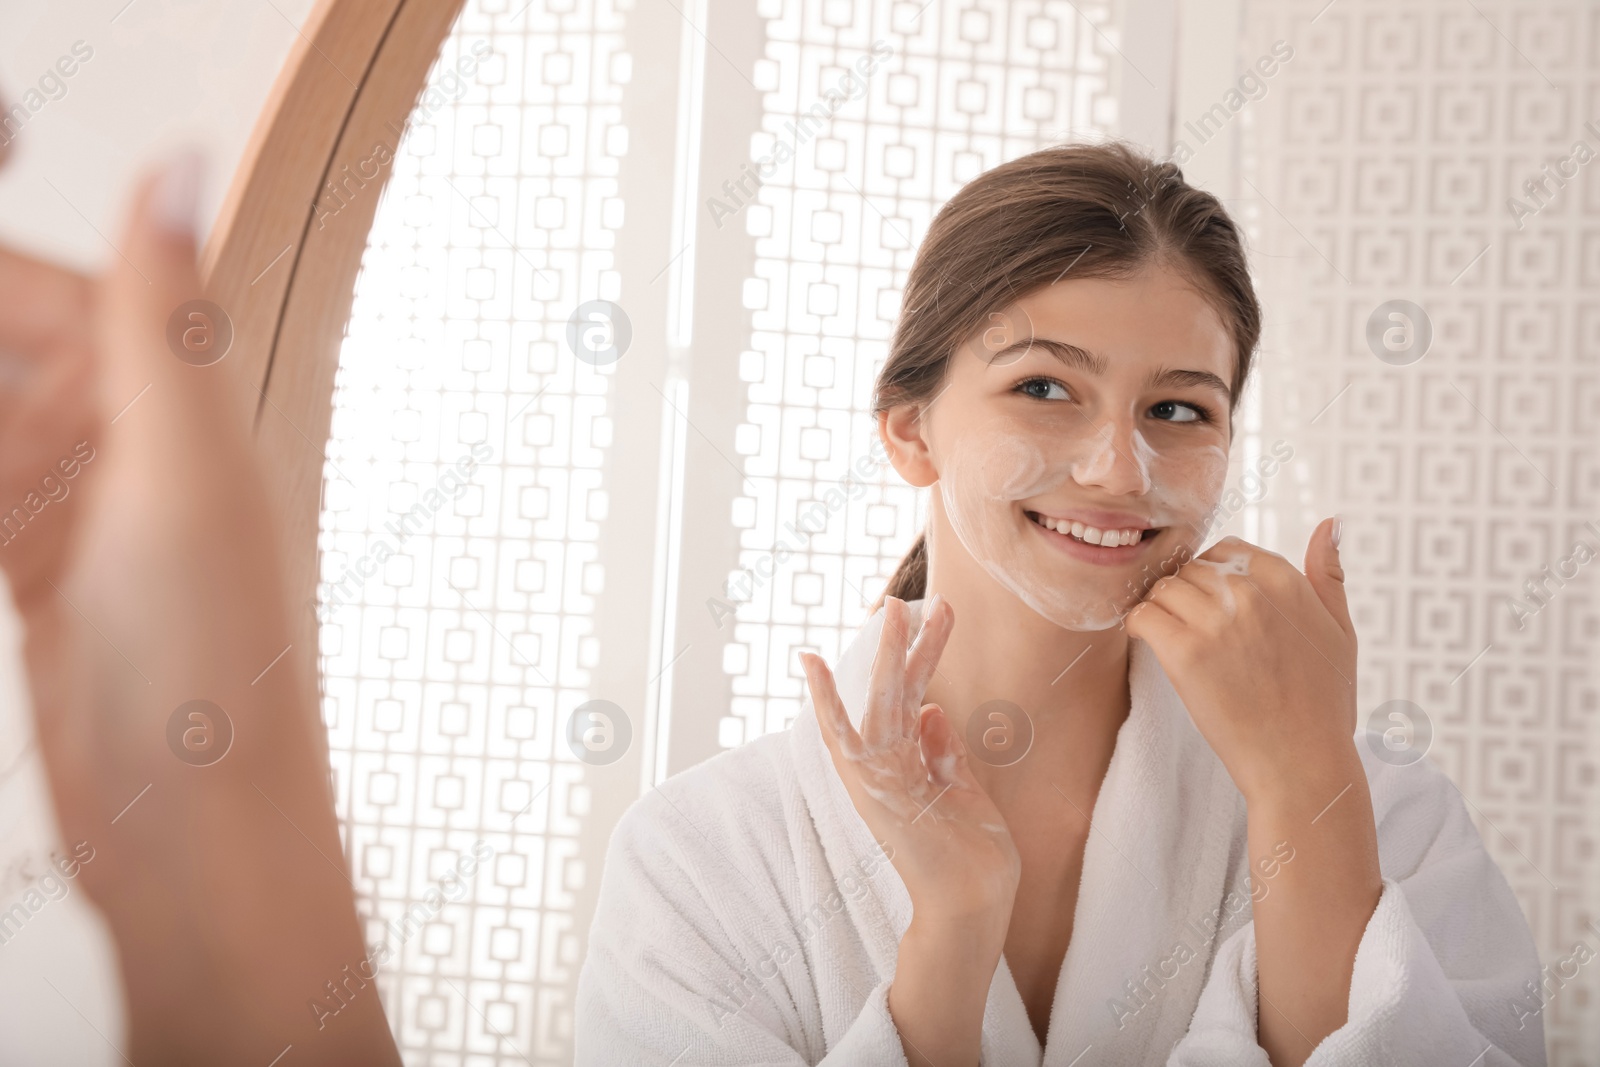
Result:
x=907 y=773
x=1264 y=658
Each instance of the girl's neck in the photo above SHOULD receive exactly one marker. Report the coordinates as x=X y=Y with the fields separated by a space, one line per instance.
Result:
x=1071 y=685
x=1009 y=652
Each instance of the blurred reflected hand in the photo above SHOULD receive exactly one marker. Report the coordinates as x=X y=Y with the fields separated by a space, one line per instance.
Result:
x=46 y=410
x=143 y=557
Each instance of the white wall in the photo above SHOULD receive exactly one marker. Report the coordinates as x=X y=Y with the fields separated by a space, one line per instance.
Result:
x=161 y=73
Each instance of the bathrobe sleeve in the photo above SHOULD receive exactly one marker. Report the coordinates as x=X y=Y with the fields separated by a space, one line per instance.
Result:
x=1443 y=970
x=688 y=962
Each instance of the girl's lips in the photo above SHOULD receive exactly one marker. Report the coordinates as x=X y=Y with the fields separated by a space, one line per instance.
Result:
x=1098 y=554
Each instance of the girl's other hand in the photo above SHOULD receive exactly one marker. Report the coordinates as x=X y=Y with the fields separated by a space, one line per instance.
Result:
x=908 y=776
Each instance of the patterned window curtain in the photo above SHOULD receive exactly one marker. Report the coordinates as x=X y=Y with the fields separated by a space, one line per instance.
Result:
x=462 y=500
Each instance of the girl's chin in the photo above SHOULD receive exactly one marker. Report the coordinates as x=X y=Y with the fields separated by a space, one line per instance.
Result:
x=1093 y=613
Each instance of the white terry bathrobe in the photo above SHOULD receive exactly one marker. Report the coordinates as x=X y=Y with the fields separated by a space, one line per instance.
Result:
x=746 y=916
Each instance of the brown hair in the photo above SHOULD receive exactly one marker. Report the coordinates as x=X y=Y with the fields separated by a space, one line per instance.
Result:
x=1099 y=210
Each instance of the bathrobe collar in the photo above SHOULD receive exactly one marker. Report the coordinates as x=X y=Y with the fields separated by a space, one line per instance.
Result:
x=1154 y=870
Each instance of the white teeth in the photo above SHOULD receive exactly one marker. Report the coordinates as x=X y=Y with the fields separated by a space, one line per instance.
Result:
x=1092 y=535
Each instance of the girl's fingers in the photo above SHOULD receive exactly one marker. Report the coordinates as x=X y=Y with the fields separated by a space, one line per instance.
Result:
x=40 y=410
x=884 y=719
x=1154 y=625
x=923 y=660
x=1326 y=573
x=837 y=731
x=138 y=304
x=942 y=751
x=1188 y=596
x=45 y=306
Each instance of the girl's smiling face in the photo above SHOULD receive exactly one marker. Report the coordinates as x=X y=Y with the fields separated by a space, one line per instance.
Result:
x=1079 y=441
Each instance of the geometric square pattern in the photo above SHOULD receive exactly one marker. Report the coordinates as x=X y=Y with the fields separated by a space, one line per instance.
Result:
x=458 y=541
x=1429 y=152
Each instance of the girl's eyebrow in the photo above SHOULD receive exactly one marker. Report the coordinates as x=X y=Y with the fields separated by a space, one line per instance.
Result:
x=1179 y=378
x=1078 y=358
x=1083 y=360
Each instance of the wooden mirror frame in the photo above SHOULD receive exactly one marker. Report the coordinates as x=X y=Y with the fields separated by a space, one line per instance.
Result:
x=283 y=265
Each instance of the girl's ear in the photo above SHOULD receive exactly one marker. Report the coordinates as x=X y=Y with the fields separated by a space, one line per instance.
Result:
x=901 y=428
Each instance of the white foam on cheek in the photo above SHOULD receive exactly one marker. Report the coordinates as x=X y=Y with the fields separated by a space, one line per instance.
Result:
x=1019 y=469
x=1185 y=488
x=979 y=484
x=994 y=466
x=1145 y=457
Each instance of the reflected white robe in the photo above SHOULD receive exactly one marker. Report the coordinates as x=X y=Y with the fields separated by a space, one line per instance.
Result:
x=746 y=916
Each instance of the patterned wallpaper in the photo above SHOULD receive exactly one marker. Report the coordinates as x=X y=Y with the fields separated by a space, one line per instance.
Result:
x=1425 y=212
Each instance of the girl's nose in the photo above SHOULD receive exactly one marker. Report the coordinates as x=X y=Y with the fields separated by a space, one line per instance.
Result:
x=1116 y=458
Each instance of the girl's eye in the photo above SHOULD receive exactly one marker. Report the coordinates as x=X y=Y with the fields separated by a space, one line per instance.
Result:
x=1175 y=411
x=1040 y=389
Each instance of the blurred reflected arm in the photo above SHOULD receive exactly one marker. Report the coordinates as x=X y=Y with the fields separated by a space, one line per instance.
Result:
x=147 y=579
